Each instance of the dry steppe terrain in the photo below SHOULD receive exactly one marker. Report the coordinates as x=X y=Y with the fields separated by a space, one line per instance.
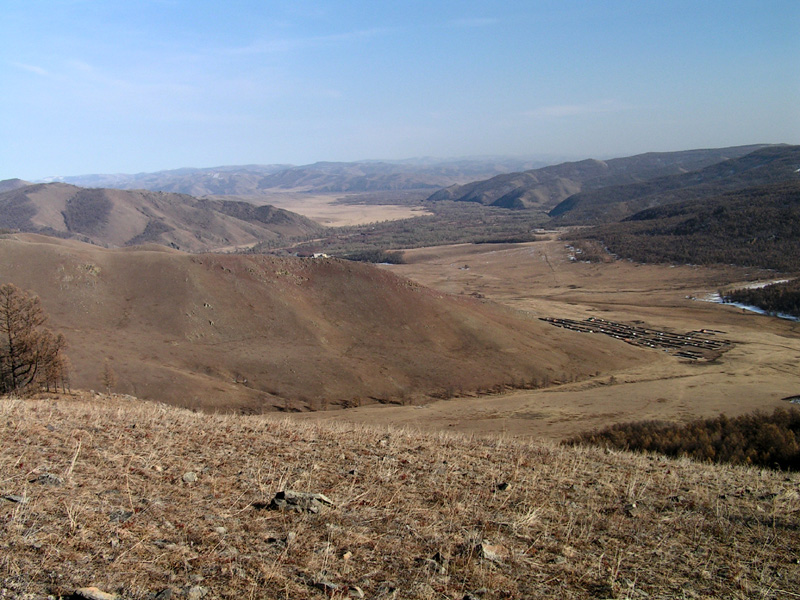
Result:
x=117 y=218
x=540 y=279
x=143 y=501
x=337 y=210
x=253 y=333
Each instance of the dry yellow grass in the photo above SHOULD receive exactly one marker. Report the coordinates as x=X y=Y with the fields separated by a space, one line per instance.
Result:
x=416 y=515
x=539 y=279
x=326 y=209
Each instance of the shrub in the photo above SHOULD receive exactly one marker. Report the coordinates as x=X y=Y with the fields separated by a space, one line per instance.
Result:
x=767 y=440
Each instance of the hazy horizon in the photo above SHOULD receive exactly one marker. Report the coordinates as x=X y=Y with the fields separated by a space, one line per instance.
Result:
x=118 y=87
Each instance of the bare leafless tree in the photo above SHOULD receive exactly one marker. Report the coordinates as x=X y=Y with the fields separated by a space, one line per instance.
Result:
x=109 y=377
x=30 y=353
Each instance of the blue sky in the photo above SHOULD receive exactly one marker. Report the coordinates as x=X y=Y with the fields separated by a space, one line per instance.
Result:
x=104 y=86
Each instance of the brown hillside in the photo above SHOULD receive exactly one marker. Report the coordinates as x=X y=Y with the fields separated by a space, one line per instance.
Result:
x=12 y=184
x=117 y=218
x=252 y=332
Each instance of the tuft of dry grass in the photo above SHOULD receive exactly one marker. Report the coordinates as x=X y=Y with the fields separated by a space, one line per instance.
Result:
x=427 y=516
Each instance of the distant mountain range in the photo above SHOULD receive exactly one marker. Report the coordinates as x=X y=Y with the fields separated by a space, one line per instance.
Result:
x=544 y=188
x=116 y=218
x=321 y=177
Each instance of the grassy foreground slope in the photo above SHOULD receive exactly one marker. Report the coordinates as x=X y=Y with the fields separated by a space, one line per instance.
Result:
x=137 y=498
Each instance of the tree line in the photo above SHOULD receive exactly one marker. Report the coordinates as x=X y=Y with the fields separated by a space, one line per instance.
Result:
x=755 y=227
x=450 y=223
x=775 y=298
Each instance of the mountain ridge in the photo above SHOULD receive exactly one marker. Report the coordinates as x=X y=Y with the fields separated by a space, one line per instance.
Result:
x=546 y=187
x=318 y=177
x=613 y=203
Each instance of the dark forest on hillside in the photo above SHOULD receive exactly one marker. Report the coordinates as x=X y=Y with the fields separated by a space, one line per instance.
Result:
x=757 y=227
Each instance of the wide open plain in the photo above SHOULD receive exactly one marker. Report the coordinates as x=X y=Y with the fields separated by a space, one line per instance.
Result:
x=758 y=372
x=328 y=210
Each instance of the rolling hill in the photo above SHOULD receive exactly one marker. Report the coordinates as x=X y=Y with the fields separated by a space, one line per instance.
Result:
x=12 y=184
x=122 y=218
x=613 y=203
x=546 y=187
x=247 y=332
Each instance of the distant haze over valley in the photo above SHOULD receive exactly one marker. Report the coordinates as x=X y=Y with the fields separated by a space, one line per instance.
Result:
x=322 y=177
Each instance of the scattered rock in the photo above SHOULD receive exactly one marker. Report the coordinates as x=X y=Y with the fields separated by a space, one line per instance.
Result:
x=196 y=592
x=120 y=516
x=164 y=594
x=15 y=498
x=632 y=510
x=355 y=592
x=220 y=530
x=492 y=552
x=48 y=479
x=189 y=477
x=386 y=591
x=296 y=501
x=93 y=593
x=433 y=566
x=321 y=583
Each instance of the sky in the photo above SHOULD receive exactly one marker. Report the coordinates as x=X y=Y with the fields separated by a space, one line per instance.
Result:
x=115 y=86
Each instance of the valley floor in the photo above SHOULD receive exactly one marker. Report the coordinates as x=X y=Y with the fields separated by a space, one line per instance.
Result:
x=542 y=280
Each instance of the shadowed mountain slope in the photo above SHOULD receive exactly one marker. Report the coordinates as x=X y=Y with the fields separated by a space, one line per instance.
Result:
x=121 y=218
x=233 y=332
x=12 y=184
x=764 y=166
x=544 y=188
